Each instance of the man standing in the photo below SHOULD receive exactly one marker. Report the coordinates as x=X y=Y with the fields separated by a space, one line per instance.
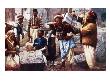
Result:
x=63 y=33
x=34 y=24
x=89 y=38
x=19 y=29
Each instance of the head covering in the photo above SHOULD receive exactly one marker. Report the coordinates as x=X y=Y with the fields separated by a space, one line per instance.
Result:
x=20 y=17
x=40 y=30
x=35 y=10
x=73 y=10
x=81 y=15
x=58 y=16
x=10 y=23
x=92 y=15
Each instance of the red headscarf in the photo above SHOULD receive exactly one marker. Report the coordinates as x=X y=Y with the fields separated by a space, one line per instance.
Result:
x=92 y=15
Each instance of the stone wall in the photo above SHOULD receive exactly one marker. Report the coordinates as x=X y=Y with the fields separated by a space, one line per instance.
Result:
x=9 y=14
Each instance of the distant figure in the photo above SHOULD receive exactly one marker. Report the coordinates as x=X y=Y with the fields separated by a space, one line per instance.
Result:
x=18 y=29
x=35 y=22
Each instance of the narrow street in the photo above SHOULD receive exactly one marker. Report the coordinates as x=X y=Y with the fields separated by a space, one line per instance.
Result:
x=46 y=15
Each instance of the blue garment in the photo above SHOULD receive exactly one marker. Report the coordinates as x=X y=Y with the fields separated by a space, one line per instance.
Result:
x=65 y=45
x=19 y=29
x=41 y=41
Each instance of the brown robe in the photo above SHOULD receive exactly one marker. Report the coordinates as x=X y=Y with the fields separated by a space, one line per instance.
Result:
x=89 y=34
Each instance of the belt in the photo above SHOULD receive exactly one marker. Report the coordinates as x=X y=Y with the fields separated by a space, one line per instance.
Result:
x=34 y=27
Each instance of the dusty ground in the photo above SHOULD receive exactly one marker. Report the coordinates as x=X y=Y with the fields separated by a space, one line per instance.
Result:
x=75 y=67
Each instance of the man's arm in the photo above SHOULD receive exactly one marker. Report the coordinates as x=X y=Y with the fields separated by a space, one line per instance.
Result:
x=45 y=43
x=89 y=29
x=35 y=43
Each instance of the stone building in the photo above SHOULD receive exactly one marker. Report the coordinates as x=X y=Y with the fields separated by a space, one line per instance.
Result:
x=9 y=14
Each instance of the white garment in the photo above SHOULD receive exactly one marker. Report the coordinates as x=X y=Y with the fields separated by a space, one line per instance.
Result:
x=90 y=55
x=32 y=57
x=70 y=56
x=33 y=34
x=12 y=62
x=15 y=31
x=80 y=58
